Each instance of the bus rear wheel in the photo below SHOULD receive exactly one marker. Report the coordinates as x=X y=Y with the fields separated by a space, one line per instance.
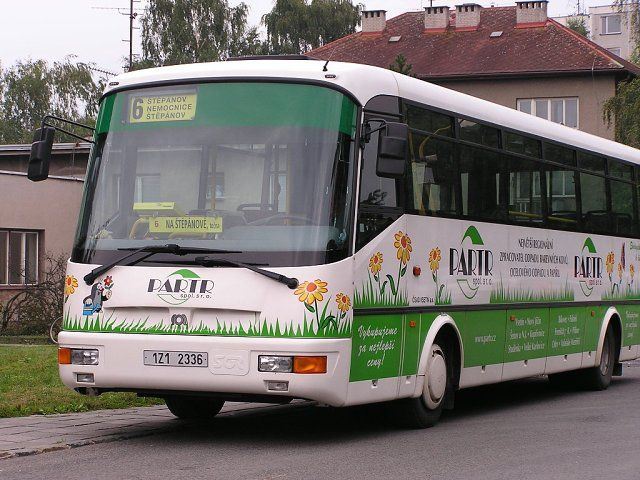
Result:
x=599 y=377
x=425 y=411
x=193 y=408
x=594 y=378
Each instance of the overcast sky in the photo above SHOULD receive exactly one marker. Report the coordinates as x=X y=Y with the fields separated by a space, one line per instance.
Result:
x=94 y=30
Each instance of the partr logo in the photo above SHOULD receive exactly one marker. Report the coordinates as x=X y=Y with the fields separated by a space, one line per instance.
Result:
x=473 y=263
x=180 y=286
x=588 y=267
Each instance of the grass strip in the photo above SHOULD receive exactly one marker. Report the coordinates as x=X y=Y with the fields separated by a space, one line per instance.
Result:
x=29 y=384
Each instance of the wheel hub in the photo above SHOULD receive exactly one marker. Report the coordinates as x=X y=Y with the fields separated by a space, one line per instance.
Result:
x=436 y=378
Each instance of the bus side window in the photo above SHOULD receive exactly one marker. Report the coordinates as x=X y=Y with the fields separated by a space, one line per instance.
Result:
x=379 y=206
x=525 y=199
x=484 y=183
x=432 y=183
x=595 y=214
x=623 y=214
x=375 y=190
x=433 y=176
x=562 y=207
x=525 y=179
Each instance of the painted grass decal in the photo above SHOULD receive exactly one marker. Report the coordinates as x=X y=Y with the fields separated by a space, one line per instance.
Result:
x=261 y=328
x=502 y=294
x=368 y=296
x=627 y=293
x=386 y=292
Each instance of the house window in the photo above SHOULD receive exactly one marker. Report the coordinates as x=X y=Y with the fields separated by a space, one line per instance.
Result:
x=558 y=110
x=18 y=257
x=615 y=50
x=611 y=24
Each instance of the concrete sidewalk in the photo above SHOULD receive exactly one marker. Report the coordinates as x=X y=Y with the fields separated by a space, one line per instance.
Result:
x=38 y=434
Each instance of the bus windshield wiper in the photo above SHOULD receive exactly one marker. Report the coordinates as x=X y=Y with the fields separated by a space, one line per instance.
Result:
x=148 y=251
x=216 y=262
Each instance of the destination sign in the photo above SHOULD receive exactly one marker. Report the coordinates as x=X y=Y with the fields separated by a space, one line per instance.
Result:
x=185 y=225
x=162 y=108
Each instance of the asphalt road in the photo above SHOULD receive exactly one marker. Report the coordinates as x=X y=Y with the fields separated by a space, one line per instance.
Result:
x=520 y=430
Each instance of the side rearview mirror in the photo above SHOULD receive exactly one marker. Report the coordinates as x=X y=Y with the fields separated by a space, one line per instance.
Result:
x=393 y=150
x=40 y=154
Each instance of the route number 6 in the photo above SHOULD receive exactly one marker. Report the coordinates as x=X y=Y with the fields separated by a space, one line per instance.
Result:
x=136 y=108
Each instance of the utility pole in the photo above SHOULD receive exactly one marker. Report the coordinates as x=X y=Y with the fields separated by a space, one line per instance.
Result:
x=131 y=17
x=132 y=14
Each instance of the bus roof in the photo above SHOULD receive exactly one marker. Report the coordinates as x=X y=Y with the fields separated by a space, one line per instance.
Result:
x=365 y=82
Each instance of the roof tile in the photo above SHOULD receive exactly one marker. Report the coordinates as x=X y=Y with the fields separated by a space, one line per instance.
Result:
x=548 y=48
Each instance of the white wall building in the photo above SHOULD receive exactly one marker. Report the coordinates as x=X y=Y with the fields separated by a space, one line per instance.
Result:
x=608 y=28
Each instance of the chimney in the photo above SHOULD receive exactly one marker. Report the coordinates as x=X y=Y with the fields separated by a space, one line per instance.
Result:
x=374 y=21
x=468 y=16
x=531 y=14
x=436 y=19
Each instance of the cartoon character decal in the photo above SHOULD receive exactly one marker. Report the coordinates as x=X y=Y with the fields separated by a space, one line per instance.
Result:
x=100 y=293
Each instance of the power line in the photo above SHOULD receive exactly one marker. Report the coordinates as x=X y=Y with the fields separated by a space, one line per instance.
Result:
x=132 y=13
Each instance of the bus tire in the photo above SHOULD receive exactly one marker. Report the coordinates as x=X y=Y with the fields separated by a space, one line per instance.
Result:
x=193 y=408
x=594 y=378
x=425 y=411
x=599 y=377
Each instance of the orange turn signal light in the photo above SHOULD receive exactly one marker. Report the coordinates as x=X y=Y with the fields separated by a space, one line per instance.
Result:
x=64 y=356
x=309 y=364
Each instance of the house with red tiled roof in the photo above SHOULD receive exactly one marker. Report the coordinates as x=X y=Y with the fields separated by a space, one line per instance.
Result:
x=514 y=56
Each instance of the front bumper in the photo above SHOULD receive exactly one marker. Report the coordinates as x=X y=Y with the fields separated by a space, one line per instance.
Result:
x=233 y=365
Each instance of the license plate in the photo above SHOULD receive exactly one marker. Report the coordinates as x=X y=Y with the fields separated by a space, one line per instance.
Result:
x=176 y=359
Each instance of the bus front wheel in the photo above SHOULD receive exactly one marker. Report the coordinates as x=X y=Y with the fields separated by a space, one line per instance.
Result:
x=193 y=408
x=425 y=411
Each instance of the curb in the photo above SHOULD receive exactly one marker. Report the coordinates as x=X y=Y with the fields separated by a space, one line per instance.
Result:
x=7 y=454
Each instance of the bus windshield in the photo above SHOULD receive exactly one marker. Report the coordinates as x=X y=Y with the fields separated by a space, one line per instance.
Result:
x=261 y=168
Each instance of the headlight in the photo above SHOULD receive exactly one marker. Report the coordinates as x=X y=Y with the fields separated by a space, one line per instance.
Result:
x=81 y=356
x=275 y=363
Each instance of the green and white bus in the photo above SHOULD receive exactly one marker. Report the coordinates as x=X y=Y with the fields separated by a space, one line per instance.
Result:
x=273 y=229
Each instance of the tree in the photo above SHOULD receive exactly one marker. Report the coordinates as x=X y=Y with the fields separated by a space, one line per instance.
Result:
x=191 y=31
x=31 y=89
x=26 y=99
x=34 y=309
x=401 y=66
x=632 y=9
x=579 y=25
x=295 y=26
x=623 y=108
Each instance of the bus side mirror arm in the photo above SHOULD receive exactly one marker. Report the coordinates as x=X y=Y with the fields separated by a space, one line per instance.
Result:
x=40 y=156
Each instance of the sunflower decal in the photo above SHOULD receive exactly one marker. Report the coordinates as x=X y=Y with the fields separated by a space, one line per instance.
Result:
x=70 y=285
x=375 y=263
x=442 y=297
x=344 y=303
x=611 y=259
x=403 y=246
x=311 y=292
x=620 y=271
x=434 y=260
